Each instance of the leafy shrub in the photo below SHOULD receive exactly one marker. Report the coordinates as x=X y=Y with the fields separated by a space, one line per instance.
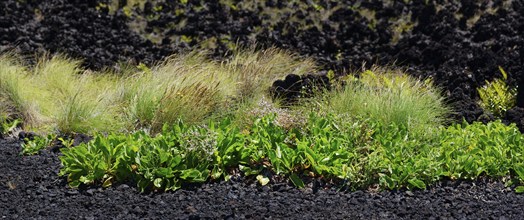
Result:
x=468 y=151
x=334 y=148
x=362 y=153
x=496 y=97
x=103 y=160
x=181 y=154
x=161 y=162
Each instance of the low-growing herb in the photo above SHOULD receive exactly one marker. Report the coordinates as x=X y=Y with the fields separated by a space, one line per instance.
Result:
x=8 y=126
x=37 y=143
x=361 y=153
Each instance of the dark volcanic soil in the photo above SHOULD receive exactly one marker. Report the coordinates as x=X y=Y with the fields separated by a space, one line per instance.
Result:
x=30 y=188
x=458 y=43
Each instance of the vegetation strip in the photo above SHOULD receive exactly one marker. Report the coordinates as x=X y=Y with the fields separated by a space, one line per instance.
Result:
x=362 y=154
x=192 y=120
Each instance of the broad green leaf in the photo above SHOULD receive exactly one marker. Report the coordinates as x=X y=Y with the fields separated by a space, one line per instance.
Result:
x=190 y=174
x=74 y=184
x=519 y=169
x=417 y=183
x=386 y=181
x=519 y=189
x=296 y=180
x=248 y=170
x=85 y=179
x=164 y=172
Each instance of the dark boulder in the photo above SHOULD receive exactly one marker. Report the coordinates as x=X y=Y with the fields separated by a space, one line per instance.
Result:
x=515 y=115
x=24 y=135
x=294 y=87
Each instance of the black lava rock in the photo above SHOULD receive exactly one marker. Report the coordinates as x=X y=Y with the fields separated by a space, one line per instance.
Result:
x=294 y=87
x=23 y=135
x=515 y=115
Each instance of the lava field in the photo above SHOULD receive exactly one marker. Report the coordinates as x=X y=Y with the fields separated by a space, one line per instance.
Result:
x=459 y=44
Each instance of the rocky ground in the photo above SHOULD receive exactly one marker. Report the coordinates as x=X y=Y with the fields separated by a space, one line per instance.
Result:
x=460 y=44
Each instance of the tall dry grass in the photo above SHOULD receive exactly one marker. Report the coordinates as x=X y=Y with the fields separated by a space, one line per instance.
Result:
x=57 y=94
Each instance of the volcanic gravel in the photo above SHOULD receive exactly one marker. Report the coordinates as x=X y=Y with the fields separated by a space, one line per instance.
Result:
x=31 y=189
x=460 y=44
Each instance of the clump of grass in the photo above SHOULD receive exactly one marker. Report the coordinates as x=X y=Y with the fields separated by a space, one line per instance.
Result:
x=57 y=95
x=70 y=100
x=16 y=97
x=183 y=87
x=54 y=96
x=390 y=97
x=254 y=71
x=193 y=88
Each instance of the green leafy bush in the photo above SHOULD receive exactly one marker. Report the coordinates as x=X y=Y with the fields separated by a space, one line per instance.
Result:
x=361 y=153
x=181 y=154
x=494 y=150
x=160 y=162
x=465 y=151
x=496 y=96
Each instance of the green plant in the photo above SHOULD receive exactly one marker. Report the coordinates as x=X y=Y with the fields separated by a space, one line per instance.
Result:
x=267 y=141
x=69 y=101
x=168 y=92
x=468 y=151
x=7 y=126
x=162 y=162
x=57 y=94
x=398 y=159
x=230 y=145
x=33 y=146
x=15 y=98
x=68 y=143
x=195 y=145
x=390 y=97
x=103 y=160
x=331 y=146
x=54 y=96
x=496 y=97
x=361 y=153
